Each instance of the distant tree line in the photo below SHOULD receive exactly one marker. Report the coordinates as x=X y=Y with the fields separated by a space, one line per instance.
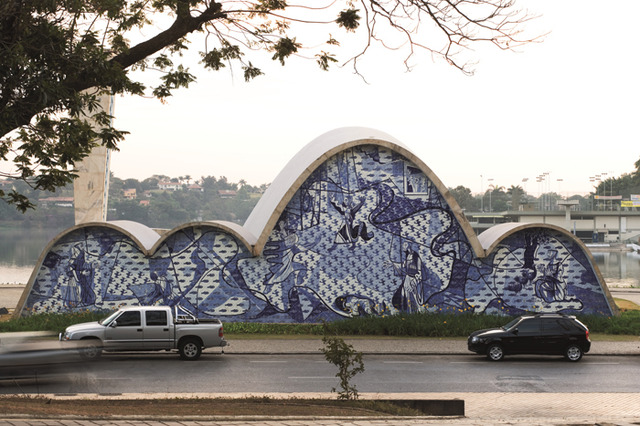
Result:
x=499 y=198
x=53 y=216
x=208 y=198
x=211 y=198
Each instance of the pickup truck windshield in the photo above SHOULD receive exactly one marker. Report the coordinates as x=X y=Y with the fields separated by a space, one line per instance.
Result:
x=107 y=320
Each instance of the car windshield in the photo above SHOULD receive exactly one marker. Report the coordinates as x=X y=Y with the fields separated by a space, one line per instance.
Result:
x=108 y=319
x=511 y=324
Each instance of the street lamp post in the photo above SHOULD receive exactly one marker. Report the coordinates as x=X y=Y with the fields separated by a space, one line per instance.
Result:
x=593 y=179
x=560 y=187
x=490 y=192
x=547 y=180
x=481 y=196
x=611 y=188
x=604 y=188
x=542 y=180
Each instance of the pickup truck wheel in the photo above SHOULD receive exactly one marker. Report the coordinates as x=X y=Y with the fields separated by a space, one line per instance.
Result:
x=90 y=349
x=190 y=349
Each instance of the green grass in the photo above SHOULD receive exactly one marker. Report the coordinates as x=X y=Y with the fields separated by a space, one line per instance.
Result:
x=628 y=322
x=272 y=329
x=626 y=305
x=49 y=322
x=402 y=325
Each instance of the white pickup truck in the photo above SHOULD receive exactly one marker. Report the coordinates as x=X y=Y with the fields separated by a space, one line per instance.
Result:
x=147 y=328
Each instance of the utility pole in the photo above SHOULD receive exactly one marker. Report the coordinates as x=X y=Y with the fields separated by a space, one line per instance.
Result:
x=481 y=195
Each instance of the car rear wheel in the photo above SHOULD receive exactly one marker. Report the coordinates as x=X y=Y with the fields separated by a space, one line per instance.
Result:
x=573 y=353
x=190 y=349
x=495 y=352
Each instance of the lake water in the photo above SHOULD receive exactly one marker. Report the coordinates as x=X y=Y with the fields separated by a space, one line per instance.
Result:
x=620 y=269
x=21 y=248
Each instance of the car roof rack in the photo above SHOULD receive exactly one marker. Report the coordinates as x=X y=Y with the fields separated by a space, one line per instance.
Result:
x=549 y=314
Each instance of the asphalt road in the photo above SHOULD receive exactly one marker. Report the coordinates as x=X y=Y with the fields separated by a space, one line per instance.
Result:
x=165 y=373
x=626 y=293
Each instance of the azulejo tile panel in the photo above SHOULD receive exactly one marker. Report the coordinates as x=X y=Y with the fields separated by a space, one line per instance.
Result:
x=367 y=233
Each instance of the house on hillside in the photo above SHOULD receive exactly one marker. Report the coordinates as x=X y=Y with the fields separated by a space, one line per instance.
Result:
x=169 y=186
x=49 y=202
x=130 y=194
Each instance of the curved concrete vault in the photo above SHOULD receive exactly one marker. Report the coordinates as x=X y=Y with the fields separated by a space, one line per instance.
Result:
x=355 y=224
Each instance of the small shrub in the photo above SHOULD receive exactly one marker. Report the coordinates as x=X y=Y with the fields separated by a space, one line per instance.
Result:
x=348 y=361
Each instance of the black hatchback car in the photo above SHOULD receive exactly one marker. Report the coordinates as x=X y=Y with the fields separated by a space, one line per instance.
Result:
x=540 y=334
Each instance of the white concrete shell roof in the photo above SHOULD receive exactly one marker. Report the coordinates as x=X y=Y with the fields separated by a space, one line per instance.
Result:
x=144 y=236
x=240 y=233
x=148 y=240
x=493 y=236
x=265 y=214
x=497 y=233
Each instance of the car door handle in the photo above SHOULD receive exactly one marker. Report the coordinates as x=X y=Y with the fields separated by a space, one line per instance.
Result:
x=139 y=329
x=165 y=329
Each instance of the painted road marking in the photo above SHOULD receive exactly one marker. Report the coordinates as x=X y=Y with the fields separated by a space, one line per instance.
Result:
x=312 y=377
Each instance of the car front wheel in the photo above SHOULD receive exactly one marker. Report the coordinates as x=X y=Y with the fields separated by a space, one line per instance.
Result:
x=190 y=349
x=495 y=352
x=573 y=353
x=90 y=349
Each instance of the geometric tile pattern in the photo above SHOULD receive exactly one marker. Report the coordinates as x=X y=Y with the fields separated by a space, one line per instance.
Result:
x=367 y=233
x=537 y=270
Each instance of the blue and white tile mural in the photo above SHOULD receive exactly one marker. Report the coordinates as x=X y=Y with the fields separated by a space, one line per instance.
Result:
x=538 y=270
x=367 y=233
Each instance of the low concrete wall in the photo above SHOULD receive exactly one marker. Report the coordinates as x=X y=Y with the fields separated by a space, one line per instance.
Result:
x=432 y=407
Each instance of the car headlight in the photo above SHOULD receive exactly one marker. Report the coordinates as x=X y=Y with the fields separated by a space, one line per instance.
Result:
x=476 y=339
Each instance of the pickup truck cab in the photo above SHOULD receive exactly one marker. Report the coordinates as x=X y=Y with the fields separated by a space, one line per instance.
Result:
x=147 y=328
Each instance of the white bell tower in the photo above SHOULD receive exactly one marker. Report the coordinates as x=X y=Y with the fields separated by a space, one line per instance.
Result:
x=91 y=187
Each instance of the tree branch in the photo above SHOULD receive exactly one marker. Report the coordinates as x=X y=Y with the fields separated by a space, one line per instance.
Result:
x=183 y=25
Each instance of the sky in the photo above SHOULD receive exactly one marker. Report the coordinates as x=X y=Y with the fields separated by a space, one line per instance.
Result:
x=567 y=107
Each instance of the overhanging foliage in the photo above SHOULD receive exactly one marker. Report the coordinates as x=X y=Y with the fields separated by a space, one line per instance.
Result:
x=58 y=57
